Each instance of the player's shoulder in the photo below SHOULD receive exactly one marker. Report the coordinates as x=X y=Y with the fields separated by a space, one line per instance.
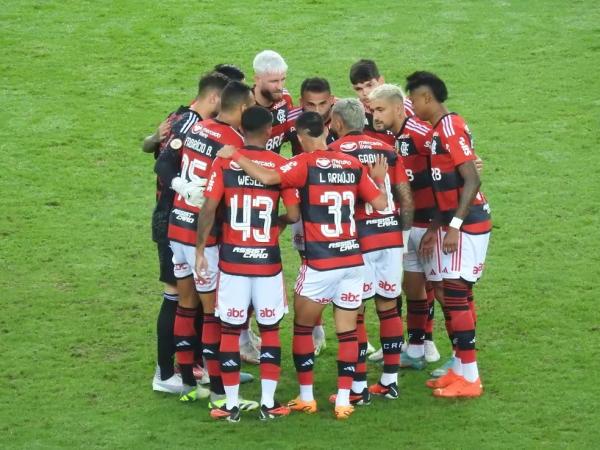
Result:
x=294 y=113
x=417 y=126
x=288 y=98
x=408 y=106
x=452 y=124
x=339 y=157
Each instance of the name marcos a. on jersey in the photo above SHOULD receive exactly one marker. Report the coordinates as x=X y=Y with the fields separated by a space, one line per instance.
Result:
x=200 y=147
x=376 y=229
x=329 y=182
x=249 y=243
x=412 y=144
x=451 y=146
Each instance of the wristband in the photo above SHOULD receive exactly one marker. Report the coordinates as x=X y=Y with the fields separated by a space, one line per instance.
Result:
x=236 y=156
x=456 y=223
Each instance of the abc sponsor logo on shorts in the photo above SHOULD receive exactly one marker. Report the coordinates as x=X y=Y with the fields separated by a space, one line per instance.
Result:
x=478 y=268
x=266 y=313
x=387 y=287
x=350 y=297
x=236 y=313
x=182 y=266
x=324 y=301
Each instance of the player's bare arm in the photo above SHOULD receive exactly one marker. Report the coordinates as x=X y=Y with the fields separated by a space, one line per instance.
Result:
x=265 y=176
x=206 y=219
x=479 y=164
x=472 y=183
x=151 y=143
x=292 y=215
x=430 y=238
x=407 y=207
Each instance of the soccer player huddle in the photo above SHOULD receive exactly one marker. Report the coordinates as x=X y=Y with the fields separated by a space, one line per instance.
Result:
x=383 y=197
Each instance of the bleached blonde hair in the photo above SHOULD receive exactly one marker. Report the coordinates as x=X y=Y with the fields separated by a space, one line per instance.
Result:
x=388 y=92
x=269 y=61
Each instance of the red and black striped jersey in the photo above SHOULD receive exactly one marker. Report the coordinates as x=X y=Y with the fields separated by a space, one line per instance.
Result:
x=284 y=116
x=249 y=243
x=451 y=146
x=376 y=229
x=412 y=144
x=200 y=147
x=384 y=135
x=329 y=182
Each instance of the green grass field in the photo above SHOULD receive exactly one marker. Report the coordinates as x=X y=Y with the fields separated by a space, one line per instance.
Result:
x=83 y=82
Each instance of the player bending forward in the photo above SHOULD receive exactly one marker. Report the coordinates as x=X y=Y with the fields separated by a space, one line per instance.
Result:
x=330 y=182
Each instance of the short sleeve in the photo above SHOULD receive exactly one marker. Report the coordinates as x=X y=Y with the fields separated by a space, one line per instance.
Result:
x=215 y=187
x=457 y=142
x=294 y=173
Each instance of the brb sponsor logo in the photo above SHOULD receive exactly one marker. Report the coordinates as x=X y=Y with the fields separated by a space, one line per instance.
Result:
x=234 y=313
x=478 y=268
x=350 y=297
x=266 y=313
x=387 y=287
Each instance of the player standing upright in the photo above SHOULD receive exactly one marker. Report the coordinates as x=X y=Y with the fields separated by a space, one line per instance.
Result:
x=330 y=182
x=381 y=235
x=250 y=271
x=270 y=72
x=167 y=141
x=199 y=150
x=464 y=215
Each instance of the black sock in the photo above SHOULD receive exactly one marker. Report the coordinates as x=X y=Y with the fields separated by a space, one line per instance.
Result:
x=164 y=336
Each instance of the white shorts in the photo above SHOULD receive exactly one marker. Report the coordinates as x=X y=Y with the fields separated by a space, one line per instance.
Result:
x=383 y=273
x=297 y=230
x=236 y=293
x=468 y=261
x=343 y=287
x=184 y=262
x=414 y=263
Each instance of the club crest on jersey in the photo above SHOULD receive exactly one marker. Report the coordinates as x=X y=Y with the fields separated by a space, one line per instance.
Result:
x=348 y=146
x=323 y=163
x=281 y=115
x=176 y=144
x=234 y=166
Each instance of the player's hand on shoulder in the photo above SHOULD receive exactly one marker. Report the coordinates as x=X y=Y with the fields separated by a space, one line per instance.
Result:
x=226 y=152
x=379 y=168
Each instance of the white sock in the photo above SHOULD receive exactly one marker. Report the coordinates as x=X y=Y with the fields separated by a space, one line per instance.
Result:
x=267 y=396
x=388 y=378
x=470 y=371
x=343 y=397
x=244 y=337
x=318 y=332
x=358 y=386
x=457 y=366
x=306 y=392
x=416 y=350
x=232 y=396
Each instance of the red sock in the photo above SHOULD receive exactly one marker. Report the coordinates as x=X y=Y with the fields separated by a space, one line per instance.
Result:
x=185 y=341
x=463 y=327
x=361 y=364
x=431 y=309
x=304 y=353
x=211 y=338
x=416 y=320
x=390 y=335
x=229 y=354
x=270 y=352
x=347 y=357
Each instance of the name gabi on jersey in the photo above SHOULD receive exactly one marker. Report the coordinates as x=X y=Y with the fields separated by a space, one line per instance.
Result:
x=184 y=216
x=252 y=253
x=345 y=246
x=199 y=146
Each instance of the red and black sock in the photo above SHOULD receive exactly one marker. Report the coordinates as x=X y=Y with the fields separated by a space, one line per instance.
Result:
x=471 y=300
x=199 y=325
x=361 y=363
x=229 y=354
x=270 y=352
x=185 y=340
x=431 y=307
x=347 y=357
x=391 y=337
x=463 y=327
x=416 y=320
x=304 y=353
x=211 y=338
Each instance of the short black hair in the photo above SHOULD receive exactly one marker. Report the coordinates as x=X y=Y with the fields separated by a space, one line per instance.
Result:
x=363 y=71
x=431 y=80
x=256 y=118
x=315 y=84
x=234 y=94
x=311 y=123
x=212 y=80
x=231 y=71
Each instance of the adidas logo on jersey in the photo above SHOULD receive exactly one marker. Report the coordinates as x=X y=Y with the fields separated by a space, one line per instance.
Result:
x=230 y=363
